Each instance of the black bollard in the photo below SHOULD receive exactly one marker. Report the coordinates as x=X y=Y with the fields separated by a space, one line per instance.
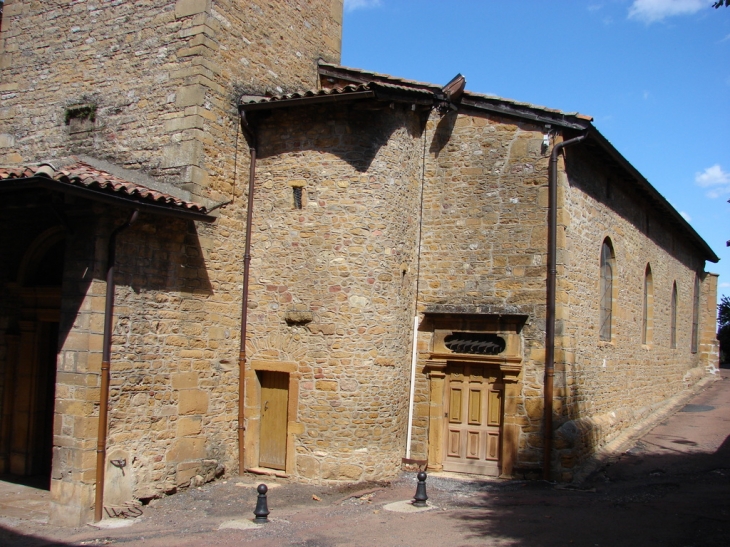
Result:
x=262 y=507
x=420 y=499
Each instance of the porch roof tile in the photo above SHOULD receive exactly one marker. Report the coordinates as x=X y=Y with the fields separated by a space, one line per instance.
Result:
x=80 y=175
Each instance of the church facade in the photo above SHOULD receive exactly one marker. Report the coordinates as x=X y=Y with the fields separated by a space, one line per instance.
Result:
x=211 y=174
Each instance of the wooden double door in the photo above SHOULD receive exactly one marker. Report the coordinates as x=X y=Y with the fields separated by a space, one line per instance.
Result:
x=474 y=411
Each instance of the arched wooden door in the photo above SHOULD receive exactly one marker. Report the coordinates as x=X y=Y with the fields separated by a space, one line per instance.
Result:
x=26 y=431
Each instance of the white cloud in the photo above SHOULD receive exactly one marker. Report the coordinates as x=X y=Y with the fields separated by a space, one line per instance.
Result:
x=685 y=216
x=724 y=285
x=646 y=94
x=352 y=5
x=716 y=179
x=712 y=176
x=651 y=11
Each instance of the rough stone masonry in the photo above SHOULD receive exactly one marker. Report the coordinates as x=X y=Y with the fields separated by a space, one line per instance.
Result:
x=367 y=213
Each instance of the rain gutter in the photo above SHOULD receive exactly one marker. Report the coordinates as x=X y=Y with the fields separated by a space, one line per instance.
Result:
x=105 y=359
x=550 y=312
x=522 y=113
x=248 y=131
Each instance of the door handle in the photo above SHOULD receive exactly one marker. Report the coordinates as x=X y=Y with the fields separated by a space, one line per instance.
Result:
x=266 y=406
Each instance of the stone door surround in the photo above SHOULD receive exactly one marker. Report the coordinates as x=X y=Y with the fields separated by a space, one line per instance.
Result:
x=441 y=362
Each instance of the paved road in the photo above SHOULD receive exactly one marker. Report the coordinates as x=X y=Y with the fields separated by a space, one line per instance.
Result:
x=670 y=488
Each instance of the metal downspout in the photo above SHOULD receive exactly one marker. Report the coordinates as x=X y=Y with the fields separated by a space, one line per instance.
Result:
x=550 y=312
x=105 y=358
x=414 y=347
x=251 y=138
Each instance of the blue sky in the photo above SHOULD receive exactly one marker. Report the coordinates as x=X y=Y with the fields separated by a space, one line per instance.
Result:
x=654 y=74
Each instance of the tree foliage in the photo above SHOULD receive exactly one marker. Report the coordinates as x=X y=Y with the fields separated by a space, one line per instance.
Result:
x=723 y=333
x=721 y=3
x=723 y=311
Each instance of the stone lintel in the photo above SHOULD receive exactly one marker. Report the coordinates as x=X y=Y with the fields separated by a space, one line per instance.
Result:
x=274 y=366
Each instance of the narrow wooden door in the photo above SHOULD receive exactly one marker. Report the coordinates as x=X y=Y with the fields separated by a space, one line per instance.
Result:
x=274 y=402
x=474 y=418
x=33 y=400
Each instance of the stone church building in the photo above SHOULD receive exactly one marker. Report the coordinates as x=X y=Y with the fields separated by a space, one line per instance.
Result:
x=420 y=274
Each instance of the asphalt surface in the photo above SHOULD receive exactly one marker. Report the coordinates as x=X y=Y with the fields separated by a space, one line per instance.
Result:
x=668 y=487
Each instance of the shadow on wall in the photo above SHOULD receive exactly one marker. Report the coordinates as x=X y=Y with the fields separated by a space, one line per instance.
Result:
x=359 y=131
x=640 y=500
x=162 y=254
x=619 y=195
x=444 y=129
x=155 y=254
x=581 y=433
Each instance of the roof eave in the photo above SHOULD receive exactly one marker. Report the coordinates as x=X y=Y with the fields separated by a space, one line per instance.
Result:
x=47 y=183
x=559 y=120
x=358 y=76
x=380 y=94
x=306 y=101
x=496 y=105
x=607 y=147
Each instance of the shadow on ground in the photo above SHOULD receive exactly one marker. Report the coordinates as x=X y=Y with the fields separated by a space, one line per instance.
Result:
x=40 y=482
x=640 y=499
x=12 y=537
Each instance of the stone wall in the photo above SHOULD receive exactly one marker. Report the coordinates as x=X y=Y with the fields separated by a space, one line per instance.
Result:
x=148 y=91
x=174 y=385
x=603 y=387
x=345 y=262
x=153 y=85
x=345 y=257
x=76 y=418
x=173 y=397
x=484 y=246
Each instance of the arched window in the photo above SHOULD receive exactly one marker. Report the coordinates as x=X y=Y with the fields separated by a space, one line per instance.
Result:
x=606 y=288
x=673 y=318
x=648 y=315
x=696 y=315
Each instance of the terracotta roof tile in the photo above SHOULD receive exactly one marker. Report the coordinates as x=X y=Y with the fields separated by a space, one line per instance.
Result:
x=377 y=76
x=250 y=99
x=83 y=175
x=351 y=88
